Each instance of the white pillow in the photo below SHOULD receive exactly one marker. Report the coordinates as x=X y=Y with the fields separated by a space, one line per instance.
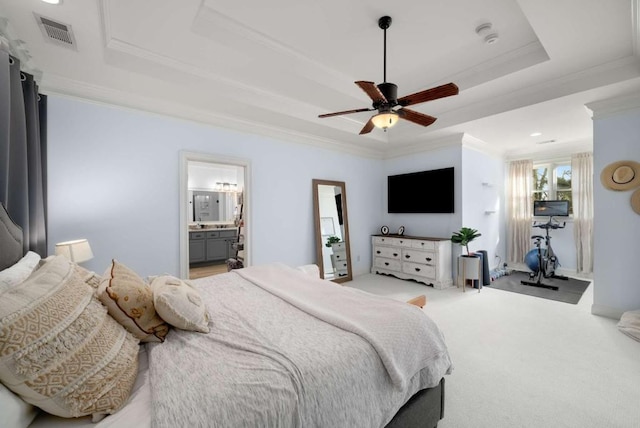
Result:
x=15 y=411
x=14 y=275
x=312 y=270
x=179 y=304
x=630 y=324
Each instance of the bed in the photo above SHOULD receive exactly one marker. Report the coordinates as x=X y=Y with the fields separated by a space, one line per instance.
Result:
x=283 y=354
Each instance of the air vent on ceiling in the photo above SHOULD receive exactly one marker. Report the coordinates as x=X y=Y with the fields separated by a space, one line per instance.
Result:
x=56 y=32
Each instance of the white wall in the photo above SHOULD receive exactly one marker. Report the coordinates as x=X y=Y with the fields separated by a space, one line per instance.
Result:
x=114 y=179
x=482 y=191
x=616 y=225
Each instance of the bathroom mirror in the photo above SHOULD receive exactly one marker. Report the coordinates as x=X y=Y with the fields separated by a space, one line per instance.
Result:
x=207 y=206
x=332 y=230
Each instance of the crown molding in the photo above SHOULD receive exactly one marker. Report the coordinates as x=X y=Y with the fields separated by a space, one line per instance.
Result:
x=454 y=140
x=59 y=85
x=471 y=142
x=609 y=107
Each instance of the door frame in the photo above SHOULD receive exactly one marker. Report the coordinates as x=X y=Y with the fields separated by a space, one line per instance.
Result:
x=185 y=158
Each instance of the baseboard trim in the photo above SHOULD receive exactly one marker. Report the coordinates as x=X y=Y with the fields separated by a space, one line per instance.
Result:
x=606 y=311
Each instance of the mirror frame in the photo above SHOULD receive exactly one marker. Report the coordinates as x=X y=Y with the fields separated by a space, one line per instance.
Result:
x=345 y=216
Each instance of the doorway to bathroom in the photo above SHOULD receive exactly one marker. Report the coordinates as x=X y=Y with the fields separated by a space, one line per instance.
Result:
x=214 y=214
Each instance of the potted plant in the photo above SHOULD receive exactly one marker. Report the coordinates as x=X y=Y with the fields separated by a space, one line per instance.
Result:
x=469 y=261
x=331 y=240
x=464 y=236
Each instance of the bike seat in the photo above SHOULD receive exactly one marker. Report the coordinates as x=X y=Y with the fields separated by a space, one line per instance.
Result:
x=537 y=237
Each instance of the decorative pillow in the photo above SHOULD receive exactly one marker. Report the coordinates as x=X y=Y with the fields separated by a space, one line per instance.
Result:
x=180 y=304
x=15 y=411
x=129 y=301
x=630 y=324
x=60 y=350
x=14 y=275
x=312 y=270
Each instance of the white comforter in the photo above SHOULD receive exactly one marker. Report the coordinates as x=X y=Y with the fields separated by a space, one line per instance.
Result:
x=267 y=362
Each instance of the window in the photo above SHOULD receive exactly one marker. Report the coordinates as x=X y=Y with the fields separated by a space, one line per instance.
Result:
x=552 y=181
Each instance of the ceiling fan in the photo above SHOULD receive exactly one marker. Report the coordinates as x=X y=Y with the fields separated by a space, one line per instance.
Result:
x=385 y=98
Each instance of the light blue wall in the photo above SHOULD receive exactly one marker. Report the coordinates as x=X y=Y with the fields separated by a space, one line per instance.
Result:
x=114 y=179
x=430 y=225
x=482 y=191
x=616 y=225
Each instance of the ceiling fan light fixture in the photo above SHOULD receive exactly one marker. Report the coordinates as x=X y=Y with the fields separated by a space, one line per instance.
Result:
x=385 y=120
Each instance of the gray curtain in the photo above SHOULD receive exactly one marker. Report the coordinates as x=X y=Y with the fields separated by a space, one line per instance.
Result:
x=23 y=152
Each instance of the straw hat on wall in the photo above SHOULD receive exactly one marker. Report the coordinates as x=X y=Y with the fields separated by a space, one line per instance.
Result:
x=621 y=175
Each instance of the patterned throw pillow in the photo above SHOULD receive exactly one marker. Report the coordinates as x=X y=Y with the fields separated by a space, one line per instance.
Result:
x=179 y=304
x=60 y=350
x=130 y=302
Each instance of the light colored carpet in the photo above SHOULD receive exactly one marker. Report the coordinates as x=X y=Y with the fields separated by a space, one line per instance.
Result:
x=521 y=361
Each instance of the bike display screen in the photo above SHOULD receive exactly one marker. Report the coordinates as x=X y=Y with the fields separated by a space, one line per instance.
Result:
x=551 y=208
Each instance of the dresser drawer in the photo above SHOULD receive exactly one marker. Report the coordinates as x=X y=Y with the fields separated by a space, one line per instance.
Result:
x=196 y=235
x=403 y=242
x=339 y=246
x=419 y=269
x=384 y=240
x=387 y=264
x=424 y=245
x=339 y=255
x=416 y=256
x=388 y=252
x=213 y=234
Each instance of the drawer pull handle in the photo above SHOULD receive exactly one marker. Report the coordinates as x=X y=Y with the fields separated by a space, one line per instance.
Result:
x=378 y=252
x=395 y=254
x=386 y=263
x=401 y=242
x=417 y=269
x=337 y=256
x=428 y=259
x=422 y=243
x=407 y=256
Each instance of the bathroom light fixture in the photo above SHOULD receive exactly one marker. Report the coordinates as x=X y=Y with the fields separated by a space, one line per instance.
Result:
x=535 y=134
x=53 y=1
x=385 y=120
x=77 y=251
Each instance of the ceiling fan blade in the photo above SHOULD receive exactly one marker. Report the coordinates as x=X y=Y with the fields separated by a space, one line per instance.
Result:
x=430 y=94
x=372 y=90
x=415 y=117
x=338 y=113
x=367 y=127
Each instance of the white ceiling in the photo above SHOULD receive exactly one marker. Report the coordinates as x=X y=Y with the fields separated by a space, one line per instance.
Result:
x=273 y=67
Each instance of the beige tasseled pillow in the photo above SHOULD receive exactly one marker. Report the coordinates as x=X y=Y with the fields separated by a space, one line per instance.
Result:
x=60 y=350
x=179 y=304
x=130 y=302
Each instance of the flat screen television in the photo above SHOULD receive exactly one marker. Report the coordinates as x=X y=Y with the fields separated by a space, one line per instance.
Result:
x=421 y=192
x=551 y=208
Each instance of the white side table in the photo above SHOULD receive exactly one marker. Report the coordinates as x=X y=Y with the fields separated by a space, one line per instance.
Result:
x=471 y=269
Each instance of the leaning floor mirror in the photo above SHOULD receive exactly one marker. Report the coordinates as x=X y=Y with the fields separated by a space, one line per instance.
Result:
x=332 y=230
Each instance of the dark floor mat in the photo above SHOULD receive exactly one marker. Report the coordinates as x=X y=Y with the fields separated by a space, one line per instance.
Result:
x=569 y=291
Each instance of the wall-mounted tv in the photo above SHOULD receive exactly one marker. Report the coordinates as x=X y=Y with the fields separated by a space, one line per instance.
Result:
x=421 y=192
x=551 y=208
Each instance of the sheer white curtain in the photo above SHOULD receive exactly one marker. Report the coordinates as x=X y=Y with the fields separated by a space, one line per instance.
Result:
x=520 y=213
x=582 y=196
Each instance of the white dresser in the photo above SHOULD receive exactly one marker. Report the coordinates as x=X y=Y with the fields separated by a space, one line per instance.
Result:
x=426 y=260
x=339 y=259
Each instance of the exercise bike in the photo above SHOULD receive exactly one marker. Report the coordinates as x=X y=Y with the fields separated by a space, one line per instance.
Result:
x=543 y=261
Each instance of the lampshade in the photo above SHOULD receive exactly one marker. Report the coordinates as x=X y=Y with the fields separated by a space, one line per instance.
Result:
x=385 y=120
x=77 y=251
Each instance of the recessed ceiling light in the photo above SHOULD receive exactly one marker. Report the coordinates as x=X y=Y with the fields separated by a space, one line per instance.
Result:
x=535 y=134
x=52 y=1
